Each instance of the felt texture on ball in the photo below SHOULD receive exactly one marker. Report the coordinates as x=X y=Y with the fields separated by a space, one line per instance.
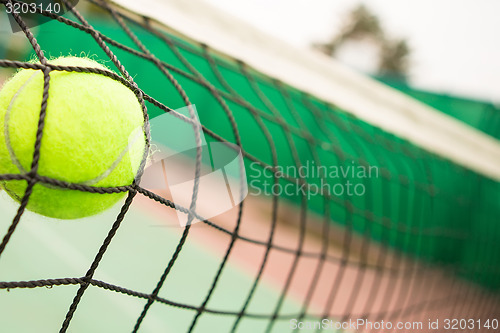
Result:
x=93 y=135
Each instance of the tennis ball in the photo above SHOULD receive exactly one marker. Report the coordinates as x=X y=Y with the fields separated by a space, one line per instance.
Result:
x=92 y=135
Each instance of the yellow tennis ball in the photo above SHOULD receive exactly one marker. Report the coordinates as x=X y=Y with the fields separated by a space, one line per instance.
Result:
x=92 y=135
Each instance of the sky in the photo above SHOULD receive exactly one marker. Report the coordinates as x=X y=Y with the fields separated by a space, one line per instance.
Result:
x=455 y=44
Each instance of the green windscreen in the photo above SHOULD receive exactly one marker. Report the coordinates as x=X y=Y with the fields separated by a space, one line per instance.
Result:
x=483 y=115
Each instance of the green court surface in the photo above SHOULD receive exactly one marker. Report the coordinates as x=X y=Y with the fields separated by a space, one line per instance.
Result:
x=43 y=248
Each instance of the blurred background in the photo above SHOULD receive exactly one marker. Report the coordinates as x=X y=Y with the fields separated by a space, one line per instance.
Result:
x=443 y=53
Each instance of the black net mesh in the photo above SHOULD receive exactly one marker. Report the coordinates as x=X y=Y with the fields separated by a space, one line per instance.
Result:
x=441 y=216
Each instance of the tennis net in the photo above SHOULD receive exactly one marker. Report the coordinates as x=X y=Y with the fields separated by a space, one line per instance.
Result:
x=409 y=197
